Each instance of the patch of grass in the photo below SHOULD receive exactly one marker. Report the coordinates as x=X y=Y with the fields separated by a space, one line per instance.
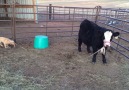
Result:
x=16 y=82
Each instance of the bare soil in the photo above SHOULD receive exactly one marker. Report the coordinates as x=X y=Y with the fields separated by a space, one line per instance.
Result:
x=61 y=67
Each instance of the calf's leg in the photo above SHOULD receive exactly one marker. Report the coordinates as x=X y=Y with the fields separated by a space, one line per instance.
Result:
x=104 y=59
x=94 y=58
x=79 y=44
x=95 y=54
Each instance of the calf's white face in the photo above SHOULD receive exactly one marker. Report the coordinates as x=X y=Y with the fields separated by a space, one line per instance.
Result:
x=107 y=38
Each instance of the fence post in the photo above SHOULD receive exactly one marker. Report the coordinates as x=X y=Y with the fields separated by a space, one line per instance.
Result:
x=69 y=13
x=13 y=21
x=50 y=11
x=73 y=21
x=53 y=13
x=98 y=8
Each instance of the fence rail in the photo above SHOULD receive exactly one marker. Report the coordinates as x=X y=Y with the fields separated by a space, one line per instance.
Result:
x=57 y=21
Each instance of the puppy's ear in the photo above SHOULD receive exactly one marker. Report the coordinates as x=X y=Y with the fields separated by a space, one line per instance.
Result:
x=116 y=35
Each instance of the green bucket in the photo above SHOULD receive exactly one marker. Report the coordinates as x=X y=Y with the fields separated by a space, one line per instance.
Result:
x=41 y=42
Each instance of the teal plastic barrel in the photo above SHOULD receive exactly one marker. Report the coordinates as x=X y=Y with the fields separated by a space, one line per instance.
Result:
x=41 y=42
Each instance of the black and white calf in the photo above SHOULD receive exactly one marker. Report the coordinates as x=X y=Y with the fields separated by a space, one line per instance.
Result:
x=96 y=37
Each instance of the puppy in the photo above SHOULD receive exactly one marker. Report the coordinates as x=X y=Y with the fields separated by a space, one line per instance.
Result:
x=5 y=42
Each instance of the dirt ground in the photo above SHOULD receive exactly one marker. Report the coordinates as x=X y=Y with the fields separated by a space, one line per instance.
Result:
x=61 y=67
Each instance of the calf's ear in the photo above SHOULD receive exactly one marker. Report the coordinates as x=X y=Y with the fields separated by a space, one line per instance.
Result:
x=116 y=35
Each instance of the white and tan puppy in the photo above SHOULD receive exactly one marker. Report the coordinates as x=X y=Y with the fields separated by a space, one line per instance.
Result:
x=5 y=42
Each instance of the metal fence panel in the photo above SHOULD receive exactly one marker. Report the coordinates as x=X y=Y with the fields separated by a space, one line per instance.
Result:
x=117 y=20
x=57 y=21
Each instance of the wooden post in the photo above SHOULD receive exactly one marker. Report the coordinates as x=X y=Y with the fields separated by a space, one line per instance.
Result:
x=97 y=13
x=13 y=21
x=34 y=10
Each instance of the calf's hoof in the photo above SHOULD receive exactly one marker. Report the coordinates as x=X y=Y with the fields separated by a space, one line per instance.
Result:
x=93 y=61
x=104 y=62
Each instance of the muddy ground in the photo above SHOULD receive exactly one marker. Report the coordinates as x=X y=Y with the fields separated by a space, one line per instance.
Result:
x=61 y=67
